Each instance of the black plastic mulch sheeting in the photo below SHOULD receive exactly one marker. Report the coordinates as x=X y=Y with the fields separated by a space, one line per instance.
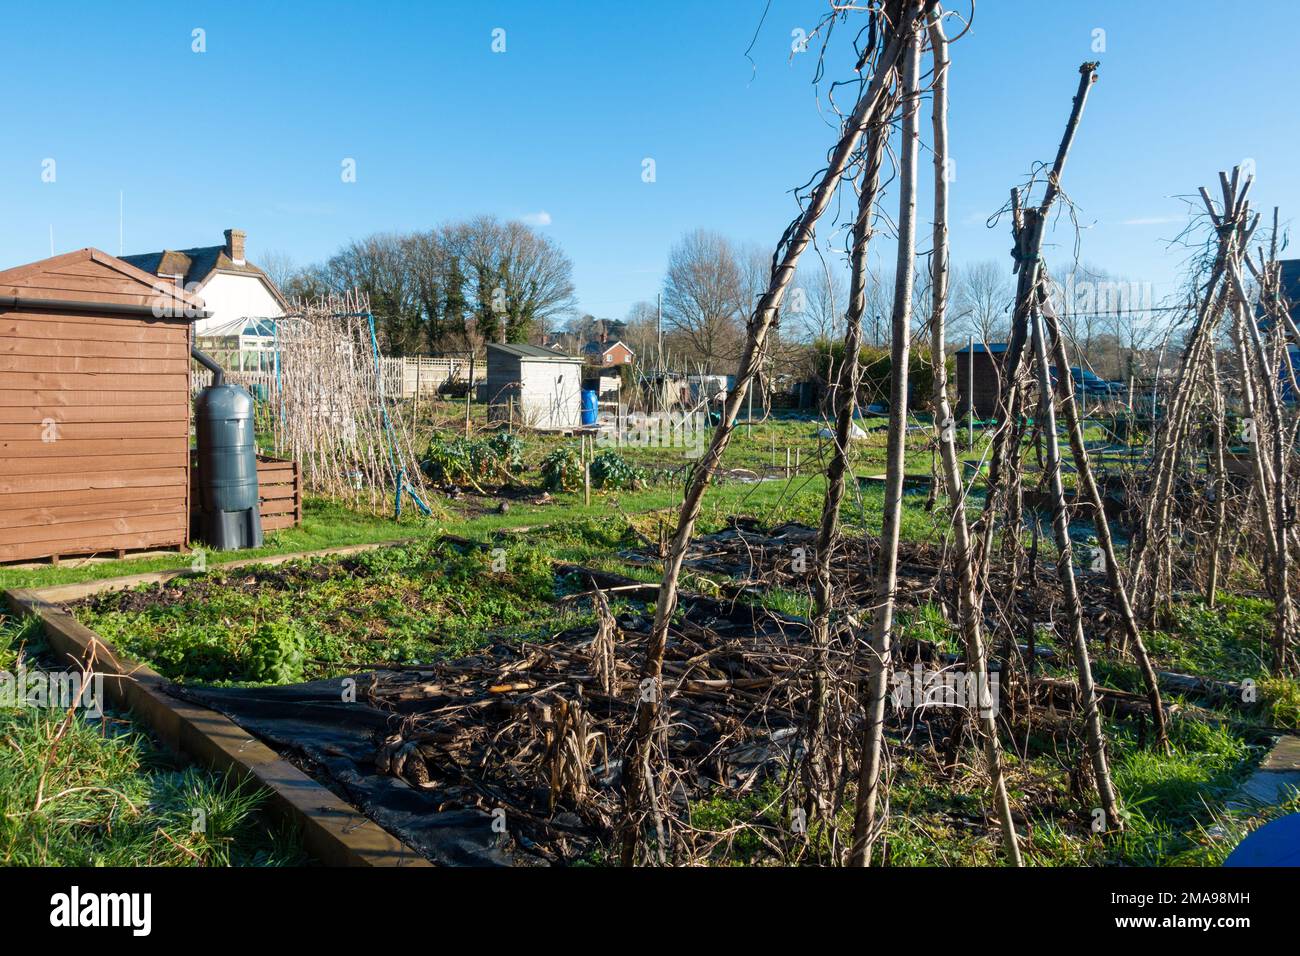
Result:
x=313 y=720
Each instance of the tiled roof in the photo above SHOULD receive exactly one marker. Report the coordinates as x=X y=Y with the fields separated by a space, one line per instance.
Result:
x=194 y=265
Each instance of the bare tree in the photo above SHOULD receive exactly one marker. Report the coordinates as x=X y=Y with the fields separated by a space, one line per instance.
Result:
x=279 y=267
x=982 y=296
x=705 y=292
x=378 y=267
x=641 y=331
x=824 y=301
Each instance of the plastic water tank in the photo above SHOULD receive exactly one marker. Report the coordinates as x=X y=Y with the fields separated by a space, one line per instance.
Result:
x=227 y=461
x=590 y=408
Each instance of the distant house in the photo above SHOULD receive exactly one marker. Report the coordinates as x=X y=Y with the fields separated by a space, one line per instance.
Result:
x=981 y=365
x=240 y=299
x=598 y=352
x=533 y=387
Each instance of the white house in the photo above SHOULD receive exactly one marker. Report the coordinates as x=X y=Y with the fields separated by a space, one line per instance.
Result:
x=239 y=296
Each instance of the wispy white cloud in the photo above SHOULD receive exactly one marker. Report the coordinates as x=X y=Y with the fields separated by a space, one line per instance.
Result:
x=539 y=218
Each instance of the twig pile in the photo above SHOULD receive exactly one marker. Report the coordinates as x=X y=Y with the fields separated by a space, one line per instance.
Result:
x=532 y=729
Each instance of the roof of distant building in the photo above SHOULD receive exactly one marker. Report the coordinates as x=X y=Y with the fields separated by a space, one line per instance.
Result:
x=532 y=351
x=597 y=347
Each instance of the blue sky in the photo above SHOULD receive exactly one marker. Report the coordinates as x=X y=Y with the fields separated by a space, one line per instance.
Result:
x=252 y=132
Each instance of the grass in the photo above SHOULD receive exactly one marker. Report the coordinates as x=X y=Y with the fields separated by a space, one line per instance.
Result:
x=1173 y=804
x=81 y=792
x=428 y=598
x=328 y=525
x=1229 y=641
x=1176 y=804
x=330 y=616
x=1170 y=797
x=406 y=604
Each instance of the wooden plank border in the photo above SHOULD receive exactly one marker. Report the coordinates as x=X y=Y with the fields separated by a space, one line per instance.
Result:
x=333 y=831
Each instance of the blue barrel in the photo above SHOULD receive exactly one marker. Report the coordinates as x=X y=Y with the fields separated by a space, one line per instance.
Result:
x=589 y=406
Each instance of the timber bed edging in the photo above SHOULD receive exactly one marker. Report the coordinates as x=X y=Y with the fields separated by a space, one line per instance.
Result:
x=333 y=831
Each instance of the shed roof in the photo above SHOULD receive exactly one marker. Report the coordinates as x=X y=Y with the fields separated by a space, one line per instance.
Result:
x=993 y=348
x=531 y=352
x=91 y=280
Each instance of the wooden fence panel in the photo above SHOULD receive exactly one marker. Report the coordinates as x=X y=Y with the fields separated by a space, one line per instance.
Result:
x=279 y=492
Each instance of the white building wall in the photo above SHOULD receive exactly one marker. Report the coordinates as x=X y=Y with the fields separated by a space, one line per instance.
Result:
x=229 y=297
x=551 y=396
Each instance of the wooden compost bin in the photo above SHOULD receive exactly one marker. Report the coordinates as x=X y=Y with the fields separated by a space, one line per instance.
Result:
x=94 y=408
x=279 y=493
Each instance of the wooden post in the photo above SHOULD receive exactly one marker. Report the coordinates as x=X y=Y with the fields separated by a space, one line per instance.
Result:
x=867 y=800
x=787 y=462
x=970 y=391
x=418 y=364
x=969 y=612
x=469 y=392
x=822 y=767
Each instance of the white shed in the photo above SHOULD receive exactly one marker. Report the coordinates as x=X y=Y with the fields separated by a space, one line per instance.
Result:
x=534 y=387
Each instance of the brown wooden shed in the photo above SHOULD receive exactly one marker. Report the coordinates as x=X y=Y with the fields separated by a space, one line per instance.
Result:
x=986 y=363
x=94 y=408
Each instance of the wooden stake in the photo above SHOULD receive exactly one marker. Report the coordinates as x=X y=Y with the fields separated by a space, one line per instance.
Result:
x=636 y=766
x=469 y=392
x=970 y=614
x=824 y=761
x=865 y=829
x=1088 y=488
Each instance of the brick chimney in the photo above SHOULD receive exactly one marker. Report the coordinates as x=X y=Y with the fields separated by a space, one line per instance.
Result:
x=235 y=245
